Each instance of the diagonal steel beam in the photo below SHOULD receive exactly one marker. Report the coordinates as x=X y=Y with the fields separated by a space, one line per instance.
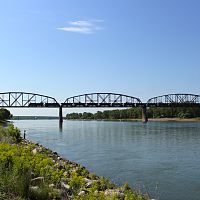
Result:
x=29 y=100
x=16 y=100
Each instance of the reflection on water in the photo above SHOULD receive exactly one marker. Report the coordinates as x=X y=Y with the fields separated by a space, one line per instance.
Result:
x=60 y=126
x=156 y=154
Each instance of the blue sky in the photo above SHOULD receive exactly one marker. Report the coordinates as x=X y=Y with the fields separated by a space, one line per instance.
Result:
x=142 y=48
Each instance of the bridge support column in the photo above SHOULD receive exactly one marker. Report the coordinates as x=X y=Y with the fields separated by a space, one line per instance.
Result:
x=144 y=114
x=60 y=114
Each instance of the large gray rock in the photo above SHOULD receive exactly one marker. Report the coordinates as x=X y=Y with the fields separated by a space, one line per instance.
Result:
x=117 y=192
x=38 y=180
x=34 y=188
x=89 y=182
x=34 y=151
x=81 y=193
x=51 y=185
x=65 y=186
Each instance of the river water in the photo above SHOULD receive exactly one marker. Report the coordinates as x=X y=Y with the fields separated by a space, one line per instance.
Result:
x=161 y=158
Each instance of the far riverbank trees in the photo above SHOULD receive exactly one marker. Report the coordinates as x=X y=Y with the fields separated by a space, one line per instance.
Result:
x=136 y=113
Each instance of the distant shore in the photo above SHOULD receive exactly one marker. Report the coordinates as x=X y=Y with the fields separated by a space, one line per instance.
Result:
x=33 y=117
x=175 y=119
x=139 y=120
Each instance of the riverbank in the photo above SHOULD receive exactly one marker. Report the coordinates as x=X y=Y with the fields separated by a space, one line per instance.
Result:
x=174 y=120
x=139 y=120
x=31 y=171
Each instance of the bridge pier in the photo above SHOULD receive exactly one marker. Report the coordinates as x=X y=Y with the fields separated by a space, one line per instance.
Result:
x=60 y=114
x=144 y=114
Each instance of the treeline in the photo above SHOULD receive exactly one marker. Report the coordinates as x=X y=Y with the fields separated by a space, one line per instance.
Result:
x=136 y=113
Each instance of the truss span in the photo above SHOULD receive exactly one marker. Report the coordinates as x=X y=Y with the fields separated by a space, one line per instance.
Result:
x=23 y=99
x=102 y=100
x=175 y=100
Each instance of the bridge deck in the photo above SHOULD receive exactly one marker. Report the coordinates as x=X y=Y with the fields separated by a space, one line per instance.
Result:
x=74 y=105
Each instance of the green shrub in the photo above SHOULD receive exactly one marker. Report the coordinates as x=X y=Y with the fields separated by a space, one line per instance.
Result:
x=5 y=114
x=14 y=132
x=10 y=134
x=76 y=182
x=106 y=184
x=41 y=193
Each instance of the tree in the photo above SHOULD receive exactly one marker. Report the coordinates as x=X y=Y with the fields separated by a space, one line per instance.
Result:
x=87 y=115
x=106 y=114
x=98 y=115
x=5 y=114
x=136 y=113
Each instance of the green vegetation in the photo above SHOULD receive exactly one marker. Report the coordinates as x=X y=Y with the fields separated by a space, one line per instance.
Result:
x=30 y=171
x=5 y=114
x=10 y=134
x=136 y=113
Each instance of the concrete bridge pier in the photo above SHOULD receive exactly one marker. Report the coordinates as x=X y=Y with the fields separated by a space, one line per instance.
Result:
x=144 y=114
x=60 y=114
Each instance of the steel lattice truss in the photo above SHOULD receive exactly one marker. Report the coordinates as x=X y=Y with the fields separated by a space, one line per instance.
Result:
x=102 y=100
x=175 y=99
x=22 y=99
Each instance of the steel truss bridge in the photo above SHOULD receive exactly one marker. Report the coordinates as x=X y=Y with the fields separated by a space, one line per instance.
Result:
x=32 y=100
x=175 y=100
x=23 y=99
x=102 y=100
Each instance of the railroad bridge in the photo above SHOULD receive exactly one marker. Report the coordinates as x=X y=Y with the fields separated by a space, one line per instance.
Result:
x=96 y=100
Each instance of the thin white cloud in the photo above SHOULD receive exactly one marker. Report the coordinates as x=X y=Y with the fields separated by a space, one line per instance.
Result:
x=85 y=27
x=81 y=23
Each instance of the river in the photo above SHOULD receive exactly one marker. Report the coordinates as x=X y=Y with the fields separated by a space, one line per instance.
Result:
x=161 y=158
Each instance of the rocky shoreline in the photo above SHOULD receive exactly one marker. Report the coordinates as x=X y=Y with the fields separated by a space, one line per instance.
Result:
x=104 y=189
x=60 y=164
